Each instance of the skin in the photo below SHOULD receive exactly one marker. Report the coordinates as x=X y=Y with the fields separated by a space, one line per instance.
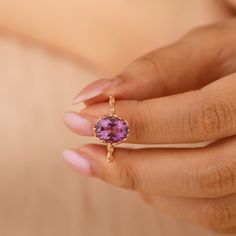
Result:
x=182 y=93
x=232 y=3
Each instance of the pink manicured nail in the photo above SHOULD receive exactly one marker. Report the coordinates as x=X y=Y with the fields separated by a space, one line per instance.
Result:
x=79 y=123
x=96 y=88
x=77 y=161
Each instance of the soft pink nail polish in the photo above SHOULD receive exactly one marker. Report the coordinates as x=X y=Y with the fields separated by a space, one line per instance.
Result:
x=79 y=123
x=96 y=88
x=77 y=161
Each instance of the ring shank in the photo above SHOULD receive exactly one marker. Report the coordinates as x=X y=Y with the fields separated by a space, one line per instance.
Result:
x=112 y=105
x=110 y=150
x=110 y=147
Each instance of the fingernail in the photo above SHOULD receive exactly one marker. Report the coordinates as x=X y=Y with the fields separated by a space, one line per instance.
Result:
x=79 y=123
x=96 y=88
x=77 y=161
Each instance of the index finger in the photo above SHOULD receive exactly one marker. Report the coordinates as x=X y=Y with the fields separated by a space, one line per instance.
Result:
x=188 y=64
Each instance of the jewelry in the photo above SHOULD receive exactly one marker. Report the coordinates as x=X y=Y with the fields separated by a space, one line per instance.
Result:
x=111 y=129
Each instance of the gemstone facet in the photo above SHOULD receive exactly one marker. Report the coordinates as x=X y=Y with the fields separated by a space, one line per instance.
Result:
x=111 y=129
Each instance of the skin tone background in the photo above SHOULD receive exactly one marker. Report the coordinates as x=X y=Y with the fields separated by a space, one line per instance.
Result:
x=99 y=32
x=39 y=194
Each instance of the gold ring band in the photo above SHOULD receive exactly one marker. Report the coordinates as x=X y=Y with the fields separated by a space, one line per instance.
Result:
x=111 y=129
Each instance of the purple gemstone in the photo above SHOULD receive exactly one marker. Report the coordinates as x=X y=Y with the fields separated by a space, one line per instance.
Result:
x=111 y=129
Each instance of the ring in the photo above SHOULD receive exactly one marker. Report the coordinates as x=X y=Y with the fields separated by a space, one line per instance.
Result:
x=111 y=129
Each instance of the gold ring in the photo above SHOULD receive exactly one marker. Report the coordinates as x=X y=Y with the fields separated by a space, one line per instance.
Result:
x=111 y=129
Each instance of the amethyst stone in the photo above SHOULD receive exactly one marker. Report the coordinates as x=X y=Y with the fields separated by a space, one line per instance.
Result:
x=111 y=129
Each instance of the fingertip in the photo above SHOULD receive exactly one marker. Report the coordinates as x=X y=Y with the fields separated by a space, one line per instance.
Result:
x=77 y=161
x=96 y=154
x=80 y=124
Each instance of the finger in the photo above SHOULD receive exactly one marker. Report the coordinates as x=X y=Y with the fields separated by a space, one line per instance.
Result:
x=201 y=172
x=203 y=115
x=231 y=3
x=215 y=214
x=194 y=61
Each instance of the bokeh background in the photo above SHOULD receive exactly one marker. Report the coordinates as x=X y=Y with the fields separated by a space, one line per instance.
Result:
x=49 y=50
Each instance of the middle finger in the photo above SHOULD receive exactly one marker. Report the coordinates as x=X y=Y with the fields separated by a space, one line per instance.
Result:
x=189 y=117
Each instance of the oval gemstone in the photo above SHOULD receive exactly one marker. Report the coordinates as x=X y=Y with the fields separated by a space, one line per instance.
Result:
x=111 y=129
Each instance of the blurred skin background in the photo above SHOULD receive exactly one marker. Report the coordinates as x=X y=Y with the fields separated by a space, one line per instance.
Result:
x=48 y=51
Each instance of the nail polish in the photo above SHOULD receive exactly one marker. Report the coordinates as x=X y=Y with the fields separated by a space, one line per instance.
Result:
x=96 y=88
x=77 y=161
x=79 y=123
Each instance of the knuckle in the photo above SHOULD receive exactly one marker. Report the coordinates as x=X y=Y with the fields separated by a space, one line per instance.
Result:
x=158 y=65
x=129 y=177
x=153 y=60
x=210 y=118
x=216 y=215
x=217 y=179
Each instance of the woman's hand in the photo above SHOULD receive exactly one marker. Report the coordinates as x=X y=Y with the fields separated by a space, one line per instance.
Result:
x=183 y=93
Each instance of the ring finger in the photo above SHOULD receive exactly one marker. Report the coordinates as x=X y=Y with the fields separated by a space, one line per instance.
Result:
x=189 y=117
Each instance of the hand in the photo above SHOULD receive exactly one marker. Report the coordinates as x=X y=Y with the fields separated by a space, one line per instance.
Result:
x=183 y=93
